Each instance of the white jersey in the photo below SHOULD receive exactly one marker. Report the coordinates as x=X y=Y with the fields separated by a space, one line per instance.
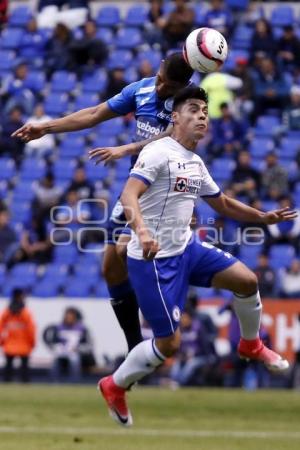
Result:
x=176 y=177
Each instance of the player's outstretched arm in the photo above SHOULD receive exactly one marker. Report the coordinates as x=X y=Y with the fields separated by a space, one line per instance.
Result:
x=133 y=190
x=237 y=210
x=85 y=118
x=106 y=154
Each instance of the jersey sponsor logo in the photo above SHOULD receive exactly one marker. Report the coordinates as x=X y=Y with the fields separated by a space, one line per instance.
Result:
x=183 y=184
x=165 y=116
x=148 y=128
x=146 y=90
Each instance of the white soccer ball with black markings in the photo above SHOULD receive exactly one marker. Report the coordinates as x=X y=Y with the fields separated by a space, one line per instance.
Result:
x=205 y=50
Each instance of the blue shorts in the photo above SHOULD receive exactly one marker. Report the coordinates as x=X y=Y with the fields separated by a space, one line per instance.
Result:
x=116 y=224
x=161 y=285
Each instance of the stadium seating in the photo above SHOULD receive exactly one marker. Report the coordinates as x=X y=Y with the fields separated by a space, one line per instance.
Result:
x=108 y=16
x=282 y=16
x=56 y=104
x=281 y=255
x=11 y=38
x=63 y=81
x=20 y=16
x=128 y=38
x=7 y=168
x=136 y=16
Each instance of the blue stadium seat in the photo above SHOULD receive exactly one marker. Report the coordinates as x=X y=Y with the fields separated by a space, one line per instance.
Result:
x=282 y=16
x=7 y=168
x=20 y=16
x=242 y=37
x=7 y=61
x=260 y=146
x=95 y=173
x=63 y=81
x=269 y=205
x=128 y=38
x=64 y=169
x=136 y=16
x=24 y=191
x=233 y=55
x=154 y=57
x=56 y=104
x=119 y=59
x=108 y=16
x=248 y=254
x=55 y=273
x=32 y=169
x=25 y=273
x=101 y=290
x=95 y=83
x=77 y=287
x=72 y=147
x=65 y=254
x=113 y=127
x=240 y=5
x=104 y=141
x=205 y=293
x=20 y=211
x=85 y=101
x=106 y=35
x=11 y=38
x=222 y=168
x=45 y=289
x=36 y=80
x=204 y=212
x=266 y=126
x=2 y=274
x=281 y=255
x=131 y=75
x=289 y=147
x=291 y=168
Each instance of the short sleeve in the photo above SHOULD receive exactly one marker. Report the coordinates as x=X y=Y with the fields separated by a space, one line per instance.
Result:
x=208 y=186
x=148 y=164
x=124 y=102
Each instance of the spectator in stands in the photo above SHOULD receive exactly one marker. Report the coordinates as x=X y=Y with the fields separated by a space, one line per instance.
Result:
x=196 y=353
x=46 y=144
x=116 y=82
x=291 y=114
x=290 y=280
x=262 y=42
x=270 y=88
x=145 y=69
x=288 y=49
x=229 y=134
x=74 y=216
x=282 y=233
x=266 y=276
x=3 y=12
x=245 y=179
x=177 y=25
x=47 y=195
x=219 y=17
x=33 y=41
x=275 y=178
x=152 y=32
x=84 y=188
x=71 y=344
x=9 y=145
x=17 y=335
x=35 y=245
x=220 y=88
x=244 y=95
x=58 y=56
x=89 y=51
x=16 y=91
x=9 y=242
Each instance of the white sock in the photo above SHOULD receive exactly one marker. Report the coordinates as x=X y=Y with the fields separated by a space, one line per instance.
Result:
x=248 y=311
x=142 y=360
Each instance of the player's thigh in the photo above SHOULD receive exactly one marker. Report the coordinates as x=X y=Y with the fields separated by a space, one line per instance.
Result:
x=114 y=268
x=237 y=278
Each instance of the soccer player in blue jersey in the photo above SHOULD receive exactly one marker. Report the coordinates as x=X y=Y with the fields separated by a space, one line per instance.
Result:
x=151 y=101
x=164 y=257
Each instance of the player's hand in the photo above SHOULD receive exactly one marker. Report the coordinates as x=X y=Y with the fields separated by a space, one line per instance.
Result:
x=279 y=215
x=30 y=131
x=107 y=154
x=149 y=244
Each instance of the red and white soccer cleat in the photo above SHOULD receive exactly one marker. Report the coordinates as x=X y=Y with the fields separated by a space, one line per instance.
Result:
x=116 y=401
x=257 y=351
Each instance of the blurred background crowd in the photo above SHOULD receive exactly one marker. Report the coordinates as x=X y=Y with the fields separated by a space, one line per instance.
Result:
x=61 y=56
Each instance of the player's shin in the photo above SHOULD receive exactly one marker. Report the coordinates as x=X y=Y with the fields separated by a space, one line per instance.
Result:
x=141 y=361
x=248 y=310
x=126 y=309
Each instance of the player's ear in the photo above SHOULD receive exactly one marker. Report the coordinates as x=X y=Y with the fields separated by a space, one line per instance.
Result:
x=174 y=116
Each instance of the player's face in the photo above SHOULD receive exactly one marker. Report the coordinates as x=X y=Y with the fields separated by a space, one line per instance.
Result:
x=164 y=87
x=192 y=119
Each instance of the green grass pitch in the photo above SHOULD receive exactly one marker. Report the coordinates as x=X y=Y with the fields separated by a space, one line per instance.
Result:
x=74 y=417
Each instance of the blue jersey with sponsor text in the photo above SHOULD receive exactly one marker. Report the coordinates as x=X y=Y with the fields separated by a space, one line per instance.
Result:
x=152 y=114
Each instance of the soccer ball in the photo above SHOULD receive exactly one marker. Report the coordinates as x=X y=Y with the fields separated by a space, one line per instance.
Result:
x=205 y=50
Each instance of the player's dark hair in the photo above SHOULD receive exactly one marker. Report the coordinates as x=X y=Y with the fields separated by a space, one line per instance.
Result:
x=187 y=93
x=176 y=69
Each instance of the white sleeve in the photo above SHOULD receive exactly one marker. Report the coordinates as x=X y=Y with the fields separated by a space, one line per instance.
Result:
x=208 y=186
x=149 y=163
x=233 y=82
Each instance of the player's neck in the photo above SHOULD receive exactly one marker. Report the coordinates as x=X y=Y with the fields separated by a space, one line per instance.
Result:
x=188 y=143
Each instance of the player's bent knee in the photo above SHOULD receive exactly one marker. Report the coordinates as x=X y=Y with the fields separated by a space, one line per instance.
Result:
x=249 y=284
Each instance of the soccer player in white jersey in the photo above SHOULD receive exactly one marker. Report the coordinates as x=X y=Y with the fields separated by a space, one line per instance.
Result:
x=164 y=257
